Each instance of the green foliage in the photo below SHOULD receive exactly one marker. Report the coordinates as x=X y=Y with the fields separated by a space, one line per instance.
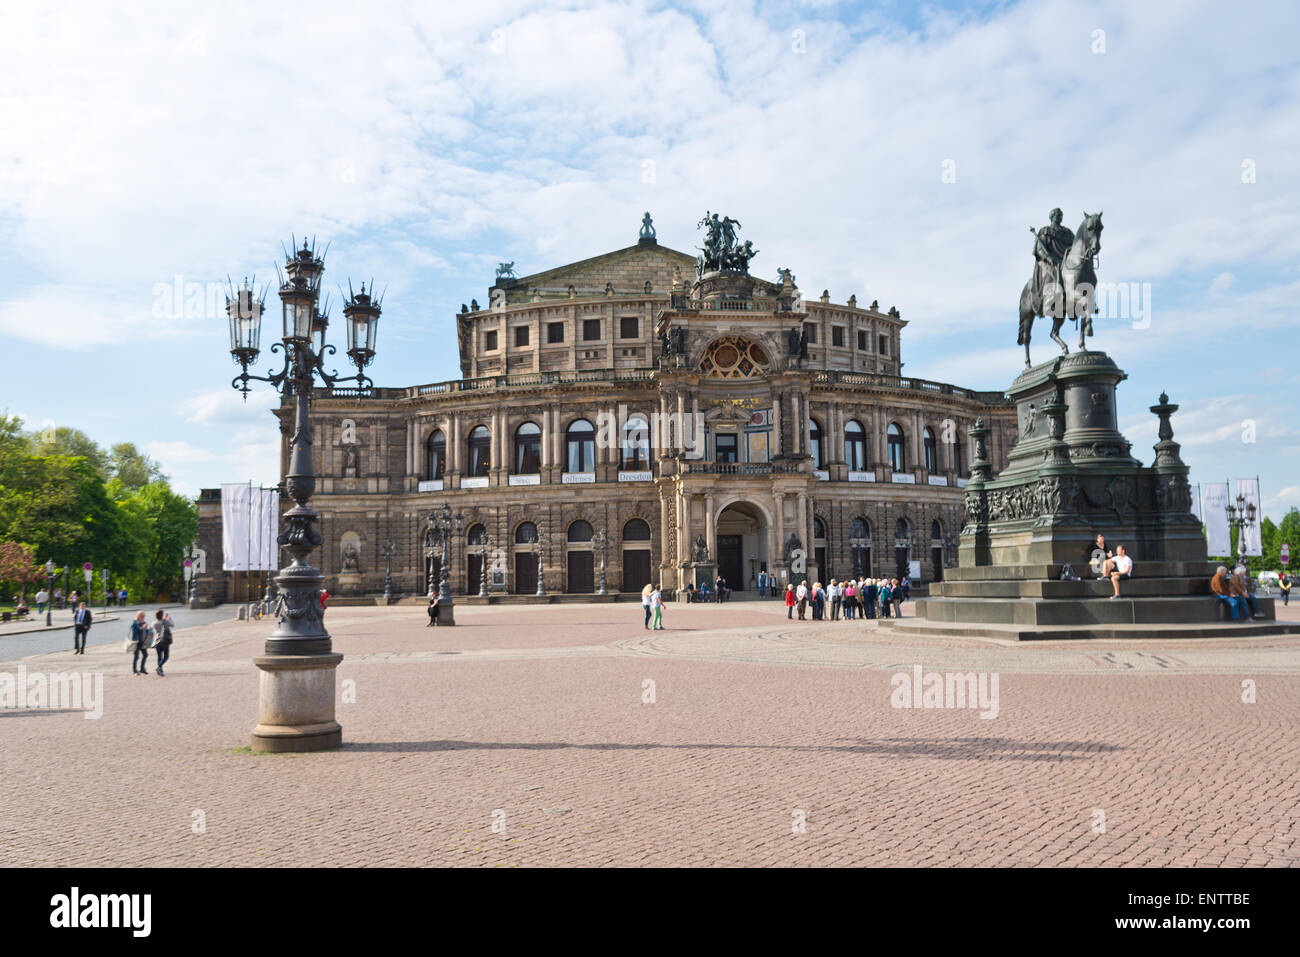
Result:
x=132 y=467
x=64 y=499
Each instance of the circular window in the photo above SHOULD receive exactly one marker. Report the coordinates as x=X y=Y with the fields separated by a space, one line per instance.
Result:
x=734 y=357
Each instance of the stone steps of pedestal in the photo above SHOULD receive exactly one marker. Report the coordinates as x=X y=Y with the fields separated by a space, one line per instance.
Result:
x=1087 y=588
x=1073 y=612
x=1253 y=629
x=1141 y=569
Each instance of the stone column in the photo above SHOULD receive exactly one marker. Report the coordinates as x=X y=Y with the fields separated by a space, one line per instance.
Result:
x=778 y=548
x=545 y=440
x=710 y=528
x=776 y=425
x=454 y=451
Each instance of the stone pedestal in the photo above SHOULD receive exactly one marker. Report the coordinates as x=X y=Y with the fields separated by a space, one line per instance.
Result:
x=296 y=703
x=1070 y=477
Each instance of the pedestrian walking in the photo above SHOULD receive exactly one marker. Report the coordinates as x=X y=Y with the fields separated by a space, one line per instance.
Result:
x=657 y=606
x=433 y=610
x=789 y=601
x=80 y=628
x=1284 y=582
x=121 y=597
x=138 y=642
x=801 y=593
x=645 y=603
x=850 y=599
x=886 y=593
x=836 y=596
x=899 y=596
x=162 y=640
x=42 y=597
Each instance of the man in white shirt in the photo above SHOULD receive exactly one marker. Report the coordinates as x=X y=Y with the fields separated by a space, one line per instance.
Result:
x=1121 y=566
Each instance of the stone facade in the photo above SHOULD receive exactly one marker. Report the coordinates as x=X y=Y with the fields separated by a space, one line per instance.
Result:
x=727 y=412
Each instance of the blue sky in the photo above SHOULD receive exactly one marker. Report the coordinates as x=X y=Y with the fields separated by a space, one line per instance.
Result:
x=427 y=143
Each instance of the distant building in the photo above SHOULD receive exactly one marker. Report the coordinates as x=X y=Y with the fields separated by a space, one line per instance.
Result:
x=705 y=421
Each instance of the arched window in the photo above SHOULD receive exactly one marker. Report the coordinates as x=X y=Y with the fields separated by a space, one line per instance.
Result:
x=936 y=530
x=894 y=439
x=902 y=529
x=477 y=535
x=479 y=446
x=526 y=534
x=815 y=443
x=636 y=445
x=860 y=529
x=958 y=460
x=931 y=453
x=636 y=530
x=435 y=455
x=855 y=445
x=580 y=531
x=528 y=449
x=581 y=447
x=819 y=529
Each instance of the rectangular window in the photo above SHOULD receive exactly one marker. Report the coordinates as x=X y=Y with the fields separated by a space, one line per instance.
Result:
x=628 y=328
x=837 y=335
x=555 y=332
x=811 y=329
x=591 y=330
x=490 y=341
x=884 y=345
x=725 y=447
x=521 y=335
x=862 y=340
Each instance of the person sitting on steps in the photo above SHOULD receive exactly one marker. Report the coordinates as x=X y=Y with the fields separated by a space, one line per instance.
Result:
x=1121 y=566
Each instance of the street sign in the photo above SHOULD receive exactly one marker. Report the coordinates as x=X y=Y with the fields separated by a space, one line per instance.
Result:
x=89 y=573
x=1286 y=554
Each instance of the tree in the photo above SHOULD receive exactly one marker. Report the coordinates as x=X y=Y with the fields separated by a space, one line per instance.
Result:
x=17 y=565
x=73 y=443
x=1288 y=532
x=132 y=467
x=160 y=524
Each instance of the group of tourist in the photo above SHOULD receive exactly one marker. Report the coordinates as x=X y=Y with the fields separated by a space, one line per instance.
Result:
x=143 y=636
x=652 y=600
x=1235 y=592
x=849 y=599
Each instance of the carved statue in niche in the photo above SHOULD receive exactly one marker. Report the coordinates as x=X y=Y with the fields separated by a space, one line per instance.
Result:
x=350 y=557
x=351 y=462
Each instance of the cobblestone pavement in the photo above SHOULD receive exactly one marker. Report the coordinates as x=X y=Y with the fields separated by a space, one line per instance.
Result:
x=757 y=741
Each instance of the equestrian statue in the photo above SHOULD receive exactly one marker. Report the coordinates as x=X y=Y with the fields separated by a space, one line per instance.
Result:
x=1064 y=283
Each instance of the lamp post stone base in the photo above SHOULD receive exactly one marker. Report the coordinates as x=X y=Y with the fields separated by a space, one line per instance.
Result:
x=296 y=703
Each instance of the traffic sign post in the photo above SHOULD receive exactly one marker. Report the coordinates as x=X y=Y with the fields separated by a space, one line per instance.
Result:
x=1286 y=554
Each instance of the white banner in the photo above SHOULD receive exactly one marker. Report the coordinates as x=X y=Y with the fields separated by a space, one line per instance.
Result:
x=1196 y=500
x=1251 y=533
x=236 y=517
x=1214 y=505
x=250 y=523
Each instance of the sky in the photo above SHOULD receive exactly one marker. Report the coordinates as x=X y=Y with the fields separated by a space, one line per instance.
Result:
x=897 y=152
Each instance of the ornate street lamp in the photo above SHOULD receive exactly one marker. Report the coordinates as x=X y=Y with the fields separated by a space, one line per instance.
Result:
x=1241 y=516
x=483 y=566
x=388 y=552
x=298 y=666
x=49 y=592
x=601 y=541
x=541 y=569
x=440 y=526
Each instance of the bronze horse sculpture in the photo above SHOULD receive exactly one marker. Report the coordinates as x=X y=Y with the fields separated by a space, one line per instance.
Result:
x=1067 y=290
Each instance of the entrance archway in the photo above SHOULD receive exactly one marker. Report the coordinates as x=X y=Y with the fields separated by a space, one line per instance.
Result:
x=742 y=534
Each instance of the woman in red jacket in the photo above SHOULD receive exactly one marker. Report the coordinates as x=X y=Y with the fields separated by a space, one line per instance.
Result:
x=789 y=601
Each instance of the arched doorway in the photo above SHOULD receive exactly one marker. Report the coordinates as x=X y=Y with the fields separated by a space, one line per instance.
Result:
x=743 y=545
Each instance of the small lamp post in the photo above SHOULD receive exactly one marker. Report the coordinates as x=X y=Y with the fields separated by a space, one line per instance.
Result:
x=540 y=542
x=601 y=541
x=298 y=666
x=49 y=592
x=389 y=551
x=483 y=566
